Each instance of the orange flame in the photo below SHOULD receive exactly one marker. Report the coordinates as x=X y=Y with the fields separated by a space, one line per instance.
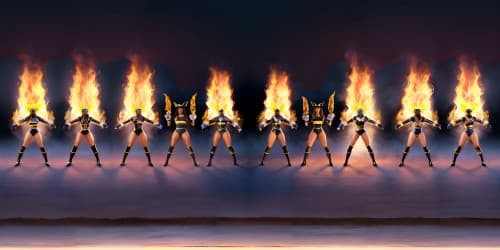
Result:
x=84 y=93
x=360 y=92
x=139 y=91
x=31 y=93
x=417 y=93
x=469 y=92
x=220 y=96
x=278 y=96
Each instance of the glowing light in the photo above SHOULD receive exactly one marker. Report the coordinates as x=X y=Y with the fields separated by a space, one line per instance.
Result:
x=139 y=91
x=360 y=92
x=84 y=92
x=468 y=92
x=278 y=96
x=220 y=96
x=417 y=93
x=32 y=93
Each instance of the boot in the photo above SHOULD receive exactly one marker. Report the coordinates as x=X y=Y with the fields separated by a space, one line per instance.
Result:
x=169 y=154
x=148 y=155
x=96 y=155
x=480 y=153
x=347 y=155
x=455 y=156
x=428 y=154
x=266 y=153
x=405 y=153
x=285 y=151
x=212 y=153
x=19 y=156
x=44 y=154
x=231 y=150
x=329 y=156
x=306 y=154
x=191 y=152
x=125 y=154
x=372 y=156
x=71 y=155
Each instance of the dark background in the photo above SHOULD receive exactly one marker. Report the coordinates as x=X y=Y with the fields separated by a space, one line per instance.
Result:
x=309 y=39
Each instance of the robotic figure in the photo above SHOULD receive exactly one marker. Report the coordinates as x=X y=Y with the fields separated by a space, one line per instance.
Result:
x=85 y=121
x=181 y=122
x=418 y=121
x=138 y=120
x=276 y=133
x=32 y=120
x=317 y=120
x=222 y=122
x=360 y=120
x=468 y=134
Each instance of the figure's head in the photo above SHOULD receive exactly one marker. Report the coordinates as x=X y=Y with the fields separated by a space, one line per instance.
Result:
x=276 y=112
x=221 y=112
x=360 y=112
x=138 y=111
x=180 y=110
x=468 y=112
x=85 y=111
x=417 y=111
x=32 y=111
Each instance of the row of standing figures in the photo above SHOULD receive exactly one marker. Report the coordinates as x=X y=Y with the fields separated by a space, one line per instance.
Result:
x=181 y=121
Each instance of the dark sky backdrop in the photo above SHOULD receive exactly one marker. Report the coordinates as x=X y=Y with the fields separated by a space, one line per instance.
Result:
x=309 y=39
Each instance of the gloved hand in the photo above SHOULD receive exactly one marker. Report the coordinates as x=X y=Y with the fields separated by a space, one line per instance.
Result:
x=341 y=126
x=204 y=125
x=305 y=118
x=168 y=117
x=330 y=117
x=294 y=125
x=192 y=117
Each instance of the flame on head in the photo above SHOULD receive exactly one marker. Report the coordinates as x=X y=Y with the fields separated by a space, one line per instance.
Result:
x=360 y=92
x=31 y=93
x=278 y=96
x=469 y=92
x=84 y=92
x=220 y=95
x=139 y=91
x=417 y=93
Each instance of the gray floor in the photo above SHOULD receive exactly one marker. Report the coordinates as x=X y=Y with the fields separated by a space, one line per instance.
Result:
x=248 y=190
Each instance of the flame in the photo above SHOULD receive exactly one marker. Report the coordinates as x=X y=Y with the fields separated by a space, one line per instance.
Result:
x=417 y=93
x=139 y=91
x=469 y=92
x=360 y=92
x=84 y=93
x=278 y=96
x=220 y=96
x=31 y=93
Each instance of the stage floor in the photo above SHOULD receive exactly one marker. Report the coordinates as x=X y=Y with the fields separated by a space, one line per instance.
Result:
x=248 y=190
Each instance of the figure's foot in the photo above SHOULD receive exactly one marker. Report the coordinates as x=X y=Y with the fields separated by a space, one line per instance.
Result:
x=289 y=164
x=122 y=164
x=165 y=164
x=150 y=164
x=303 y=163
x=99 y=164
x=235 y=163
x=17 y=164
x=430 y=164
x=452 y=164
x=196 y=164
x=483 y=164
x=345 y=164
x=209 y=164
x=330 y=164
x=374 y=163
x=261 y=163
x=68 y=164
x=401 y=164
x=47 y=164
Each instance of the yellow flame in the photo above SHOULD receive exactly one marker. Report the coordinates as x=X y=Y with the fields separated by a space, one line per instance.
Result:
x=417 y=93
x=220 y=96
x=468 y=92
x=31 y=93
x=278 y=96
x=360 y=92
x=84 y=92
x=139 y=91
